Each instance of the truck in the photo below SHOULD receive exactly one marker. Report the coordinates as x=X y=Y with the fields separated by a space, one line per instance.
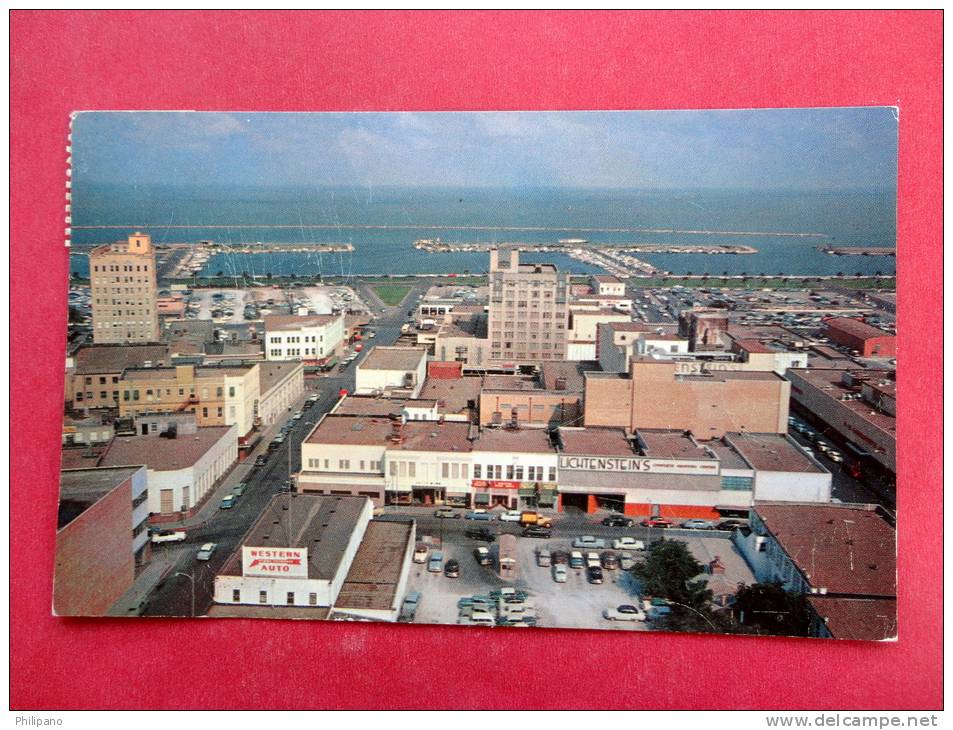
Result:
x=535 y=519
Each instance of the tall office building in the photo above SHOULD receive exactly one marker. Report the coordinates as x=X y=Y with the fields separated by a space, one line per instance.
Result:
x=123 y=281
x=529 y=310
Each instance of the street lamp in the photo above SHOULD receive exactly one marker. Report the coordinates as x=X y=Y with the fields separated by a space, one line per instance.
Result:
x=192 y=583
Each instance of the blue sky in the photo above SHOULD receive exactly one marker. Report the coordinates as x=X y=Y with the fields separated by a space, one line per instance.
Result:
x=815 y=149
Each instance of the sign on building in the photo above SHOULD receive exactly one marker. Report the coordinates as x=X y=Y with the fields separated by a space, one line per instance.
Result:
x=274 y=562
x=641 y=465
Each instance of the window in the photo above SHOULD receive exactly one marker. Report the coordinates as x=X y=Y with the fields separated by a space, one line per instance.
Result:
x=445 y=470
x=312 y=599
x=509 y=471
x=263 y=596
x=455 y=470
x=231 y=391
x=290 y=600
x=736 y=484
x=477 y=471
x=393 y=468
x=552 y=473
x=519 y=474
x=236 y=595
x=411 y=469
x=403 y=468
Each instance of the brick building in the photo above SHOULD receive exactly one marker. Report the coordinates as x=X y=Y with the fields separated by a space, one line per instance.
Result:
x=123 y=291
x=858 y=335
x=93 y=379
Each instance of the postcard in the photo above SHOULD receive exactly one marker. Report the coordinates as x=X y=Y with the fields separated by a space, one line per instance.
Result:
x=629 y=370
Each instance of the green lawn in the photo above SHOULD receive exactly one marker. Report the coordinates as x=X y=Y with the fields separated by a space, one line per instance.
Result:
x=756 y=282
x=391 y=294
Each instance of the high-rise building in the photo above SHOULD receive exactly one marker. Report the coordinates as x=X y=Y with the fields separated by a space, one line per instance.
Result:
x=529 y=310
x=123 y=282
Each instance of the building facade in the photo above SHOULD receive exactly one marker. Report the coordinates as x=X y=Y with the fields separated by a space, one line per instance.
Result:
x=124 y=292
x=313 y=339
x=398 y=370
x=93 y=381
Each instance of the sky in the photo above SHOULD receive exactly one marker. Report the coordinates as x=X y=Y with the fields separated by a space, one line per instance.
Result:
x=809 y=149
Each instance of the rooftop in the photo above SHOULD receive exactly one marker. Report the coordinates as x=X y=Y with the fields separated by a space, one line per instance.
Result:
x=670 y=444
x=206 y=371
x=163 y=454
x=510 y=383
x=286 y=322
x=374 y=577
x=595 y=441
x=573 y=372
x=771 y=452
x=524 y=440
x=116 y=358
x=80 y=489
x=607 y=279
x=369 y=405
x=846 y=549
x=453 y=396
x=393 y=358
x=272 y=372
x=829 y=381
x=323 y=525
x=414 y=435
x=855 y=327
x=860 y=619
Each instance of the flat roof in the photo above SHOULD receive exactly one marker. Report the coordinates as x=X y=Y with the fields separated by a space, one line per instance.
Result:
x=771 y=452
x=670 y=444
x=523 y=440
x=393 y=358
x=573 y=371
x=595 y=441
x=846 y=549
x=860 y=619
x=452 y=394
x=272 y=372
x=369 y=405
x=510 y=383
x=169 y=373
x=374 y=577
x=607 y=279
x=163 y=454
x=829 y=382
x=92 y=359
x=279 y=322
x=414 y=435
x=80 y=489
x=322 y=524
x=855 y=328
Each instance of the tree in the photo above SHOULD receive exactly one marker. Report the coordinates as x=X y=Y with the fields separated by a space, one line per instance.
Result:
x=668 y=572
x=766 y=608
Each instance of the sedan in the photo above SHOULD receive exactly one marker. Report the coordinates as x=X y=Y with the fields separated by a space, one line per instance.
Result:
x=481 y=534
x=533 y=531
x=228 y=502
x=588 y=541
x=657 y=522
x=205 y=552
x=616 y=521
x=435 y=565
x=511 y=516
x=479 y=514
x=560 y=573
x=261 y=460
x=239 y=489
x=627 y=543
x=594 y=574
x=625 y=612
x=698 y=525
x=452 y=569
x=447 y=513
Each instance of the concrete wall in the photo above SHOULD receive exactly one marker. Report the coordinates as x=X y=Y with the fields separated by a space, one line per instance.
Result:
x=200 y=477
x=608 y=402
x=792 y=486
x=273 y=405
x=533 y=407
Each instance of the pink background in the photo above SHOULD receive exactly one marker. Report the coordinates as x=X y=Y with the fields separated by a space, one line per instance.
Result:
x=63 y=62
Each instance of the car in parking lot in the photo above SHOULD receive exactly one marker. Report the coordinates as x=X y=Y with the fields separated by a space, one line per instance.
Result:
x=205 y=552
x=228 y=502
x=610 y=561
x=480 y=534
x=625 y=612
x=479 y=514
x=534 y=531
x=627 y=543
x=297 y=416
x=544 y=558
x=626 y=561
x=510 y=516
x=560 y=573
x=617 y=521
x=239 y=489
x=482 y=555
x=447 y=513
x=408 y=609
x=261 y=460
x=452 y=569
x=731 y=524
x=589 y=541
x=657 y=522
x=560 y=557
x=592 y=560
x=420 y=553
x=698 y=525
x=576 y=560
x=435 y=564
x=594 y=574
x=508 y=593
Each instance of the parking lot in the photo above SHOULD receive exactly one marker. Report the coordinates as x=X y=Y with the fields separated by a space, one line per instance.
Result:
x=573 y=604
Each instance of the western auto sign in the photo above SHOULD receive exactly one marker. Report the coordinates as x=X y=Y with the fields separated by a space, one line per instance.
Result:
x=641 y=465
x=494 y=484
x=275 y=562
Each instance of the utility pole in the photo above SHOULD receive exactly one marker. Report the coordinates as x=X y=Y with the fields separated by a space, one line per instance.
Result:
x=192 y=583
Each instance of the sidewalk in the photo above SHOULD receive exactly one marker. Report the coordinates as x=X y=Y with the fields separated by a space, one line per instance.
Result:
x=133 y=601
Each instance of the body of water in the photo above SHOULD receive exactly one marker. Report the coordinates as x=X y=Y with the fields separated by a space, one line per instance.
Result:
x=382 y=224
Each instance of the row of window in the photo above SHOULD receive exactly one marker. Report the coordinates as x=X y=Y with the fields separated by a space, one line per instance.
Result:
x=102 y=380
x=514 y=472
x=263 y=597
x=115 y=267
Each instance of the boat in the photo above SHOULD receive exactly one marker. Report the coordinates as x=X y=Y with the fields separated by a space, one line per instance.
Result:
x=573 y=240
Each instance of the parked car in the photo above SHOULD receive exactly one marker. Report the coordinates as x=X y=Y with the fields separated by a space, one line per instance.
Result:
x=473 y=616
x=509 y=593
x=588 y=541
x=560 y=557
x=205 y=552
x=698 y=525
x=617 y=521
x=482 y=555
x=447 y=513
x=626 y=561
x=239 y=489
x=435 y=564
x=625 y=612
x=835 y=456
x=610 y=561
x=627 y=543
x=228 y=502
x=420 y=553
x=560 y=573
x=576 y=560
x=592 y=560
x=657 y=522
x=533 y=531
x=479 y=514
x=480 y=534
x=594 y=574
x=510 y=516
x=544 y=558
x=655 y=607
x=160 y=536
x=452 y=569
x=261 y=460
x=297 y=416
x=408 y=609
x=731 y=524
